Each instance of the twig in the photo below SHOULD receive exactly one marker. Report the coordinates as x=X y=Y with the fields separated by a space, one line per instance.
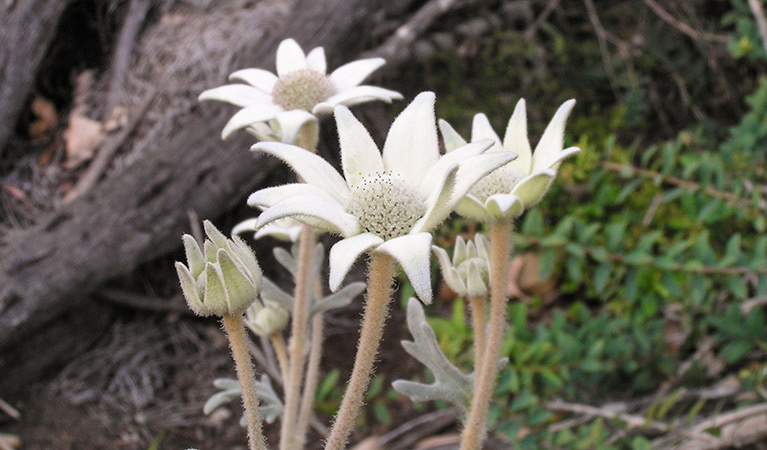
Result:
x=761 y=20
x=137 y=12
x=404 y=436
x=533 y=27
x=9 y=442
x=10 y=410
x=633 y=421
x=104 y=156
x=683 y=27
x=603 y=50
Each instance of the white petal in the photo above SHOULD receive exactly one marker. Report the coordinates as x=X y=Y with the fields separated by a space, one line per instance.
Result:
x=240 y=95
x=412 y=252
x=345 y=252
x=475 y=285
x=452 y=139
x=360 y=156
x=312 y=168
x=248 y=225
x=552 y=141
x=262 y=131
x=260 y=79
x=356 y=95
x=290 y=57
x=449 y=273
x=531 y=189
x=307 y=207
x=475 y=168
x=481 y=129
x=353 y=73
x=316 y=61
x=248 y=116
x=411 y=147
x=285 y=229
x=515 y=140
x=437 y=172
x=564 y=154
x=471 y=208
x=264 y=198
x=290 y=123
x=504 y=206
x=438 y=203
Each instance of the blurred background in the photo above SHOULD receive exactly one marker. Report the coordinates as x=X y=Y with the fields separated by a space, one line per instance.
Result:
x=639 y=284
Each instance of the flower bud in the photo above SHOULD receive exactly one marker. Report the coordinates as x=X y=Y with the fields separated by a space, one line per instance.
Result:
x=223 y=278
x=267 y=319
x=468 y=274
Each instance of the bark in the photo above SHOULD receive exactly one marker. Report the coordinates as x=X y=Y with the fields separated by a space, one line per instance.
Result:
x=140 y=213
x=25 y=31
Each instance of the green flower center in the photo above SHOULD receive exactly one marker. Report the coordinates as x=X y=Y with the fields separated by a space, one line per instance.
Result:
x=385 y=205
x=500 y=181
x=302 y=89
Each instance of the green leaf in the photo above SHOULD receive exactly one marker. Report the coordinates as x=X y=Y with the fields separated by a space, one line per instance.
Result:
x=602 y=276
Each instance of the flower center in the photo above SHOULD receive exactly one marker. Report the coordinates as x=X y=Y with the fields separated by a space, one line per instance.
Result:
x=385 y=205
x=500 y=181
x=302 y=89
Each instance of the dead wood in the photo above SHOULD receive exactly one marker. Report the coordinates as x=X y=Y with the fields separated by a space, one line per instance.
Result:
x=25 y=33
x=138 y=212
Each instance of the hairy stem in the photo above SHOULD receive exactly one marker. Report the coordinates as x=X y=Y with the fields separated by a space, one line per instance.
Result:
x=235 y=332
x=478 y=320
x=278 y=342
x=297 y=348
x=312 y=379
x=474 y=428
x=380 y=278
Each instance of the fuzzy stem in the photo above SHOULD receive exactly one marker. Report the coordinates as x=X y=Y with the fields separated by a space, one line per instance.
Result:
x=312 y=379
x=297 y=348
x=380 y=278
x=474 y=429
x=479 y=321
x=278 y=342
x=235 y=332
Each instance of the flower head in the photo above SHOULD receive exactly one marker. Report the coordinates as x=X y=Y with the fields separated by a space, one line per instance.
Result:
x=223 y=278
x=509 y=190
x=468 y=273
x=266 y=319
x=384 y=202
x=300 y=90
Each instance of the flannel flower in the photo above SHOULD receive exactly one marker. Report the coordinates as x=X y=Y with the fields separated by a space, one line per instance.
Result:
x=508 y=191
x=300 y=91
x=384 y=202
x=468 y=272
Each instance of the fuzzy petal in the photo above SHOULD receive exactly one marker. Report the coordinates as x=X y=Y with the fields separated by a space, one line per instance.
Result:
x=189 y=289
x=353 y=73
x=552 y=141
x=270 y=196
x=330 y=214
x=449 y=273
x=564 y=154
x=312 y=168
x=531 y=189
x=475 y=168
x=452 y=139
x=345 y=252
x=194 y=256
x=475 y=285
x=412 y=252
x=504 y=206
x=290 y=123
x=263 y=80
x=248 y=116
x=438 y=203
x=411 y=148
x=481 y=129
x=471 y=208
x=248 y=225
x=356 y=95
x=237 y=94
x=515 y=140
x=360 y=156
x=437 y=172
x=280 y=231
x=290 y=57
x=316 y=60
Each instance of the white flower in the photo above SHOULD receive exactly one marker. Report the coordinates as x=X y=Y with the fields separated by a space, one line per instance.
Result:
x=383 y=203
x=283 y=229
x=468 y=274
x=300 y=90
x=522 y=183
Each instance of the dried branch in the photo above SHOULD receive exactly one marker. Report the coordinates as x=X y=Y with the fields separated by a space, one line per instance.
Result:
x=761 y=20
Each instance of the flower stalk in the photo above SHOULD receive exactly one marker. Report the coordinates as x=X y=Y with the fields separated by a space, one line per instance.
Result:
x=380 y=281
x=235 y=332
x=312 y=379
x=479 y=323
x=474 y=429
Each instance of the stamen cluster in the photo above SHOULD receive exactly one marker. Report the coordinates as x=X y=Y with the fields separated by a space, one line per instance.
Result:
x=302 y=89
x=385 y=205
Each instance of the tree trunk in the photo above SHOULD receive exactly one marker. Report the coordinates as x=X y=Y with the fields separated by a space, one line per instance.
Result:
x=25 y=32
x=140 y=213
